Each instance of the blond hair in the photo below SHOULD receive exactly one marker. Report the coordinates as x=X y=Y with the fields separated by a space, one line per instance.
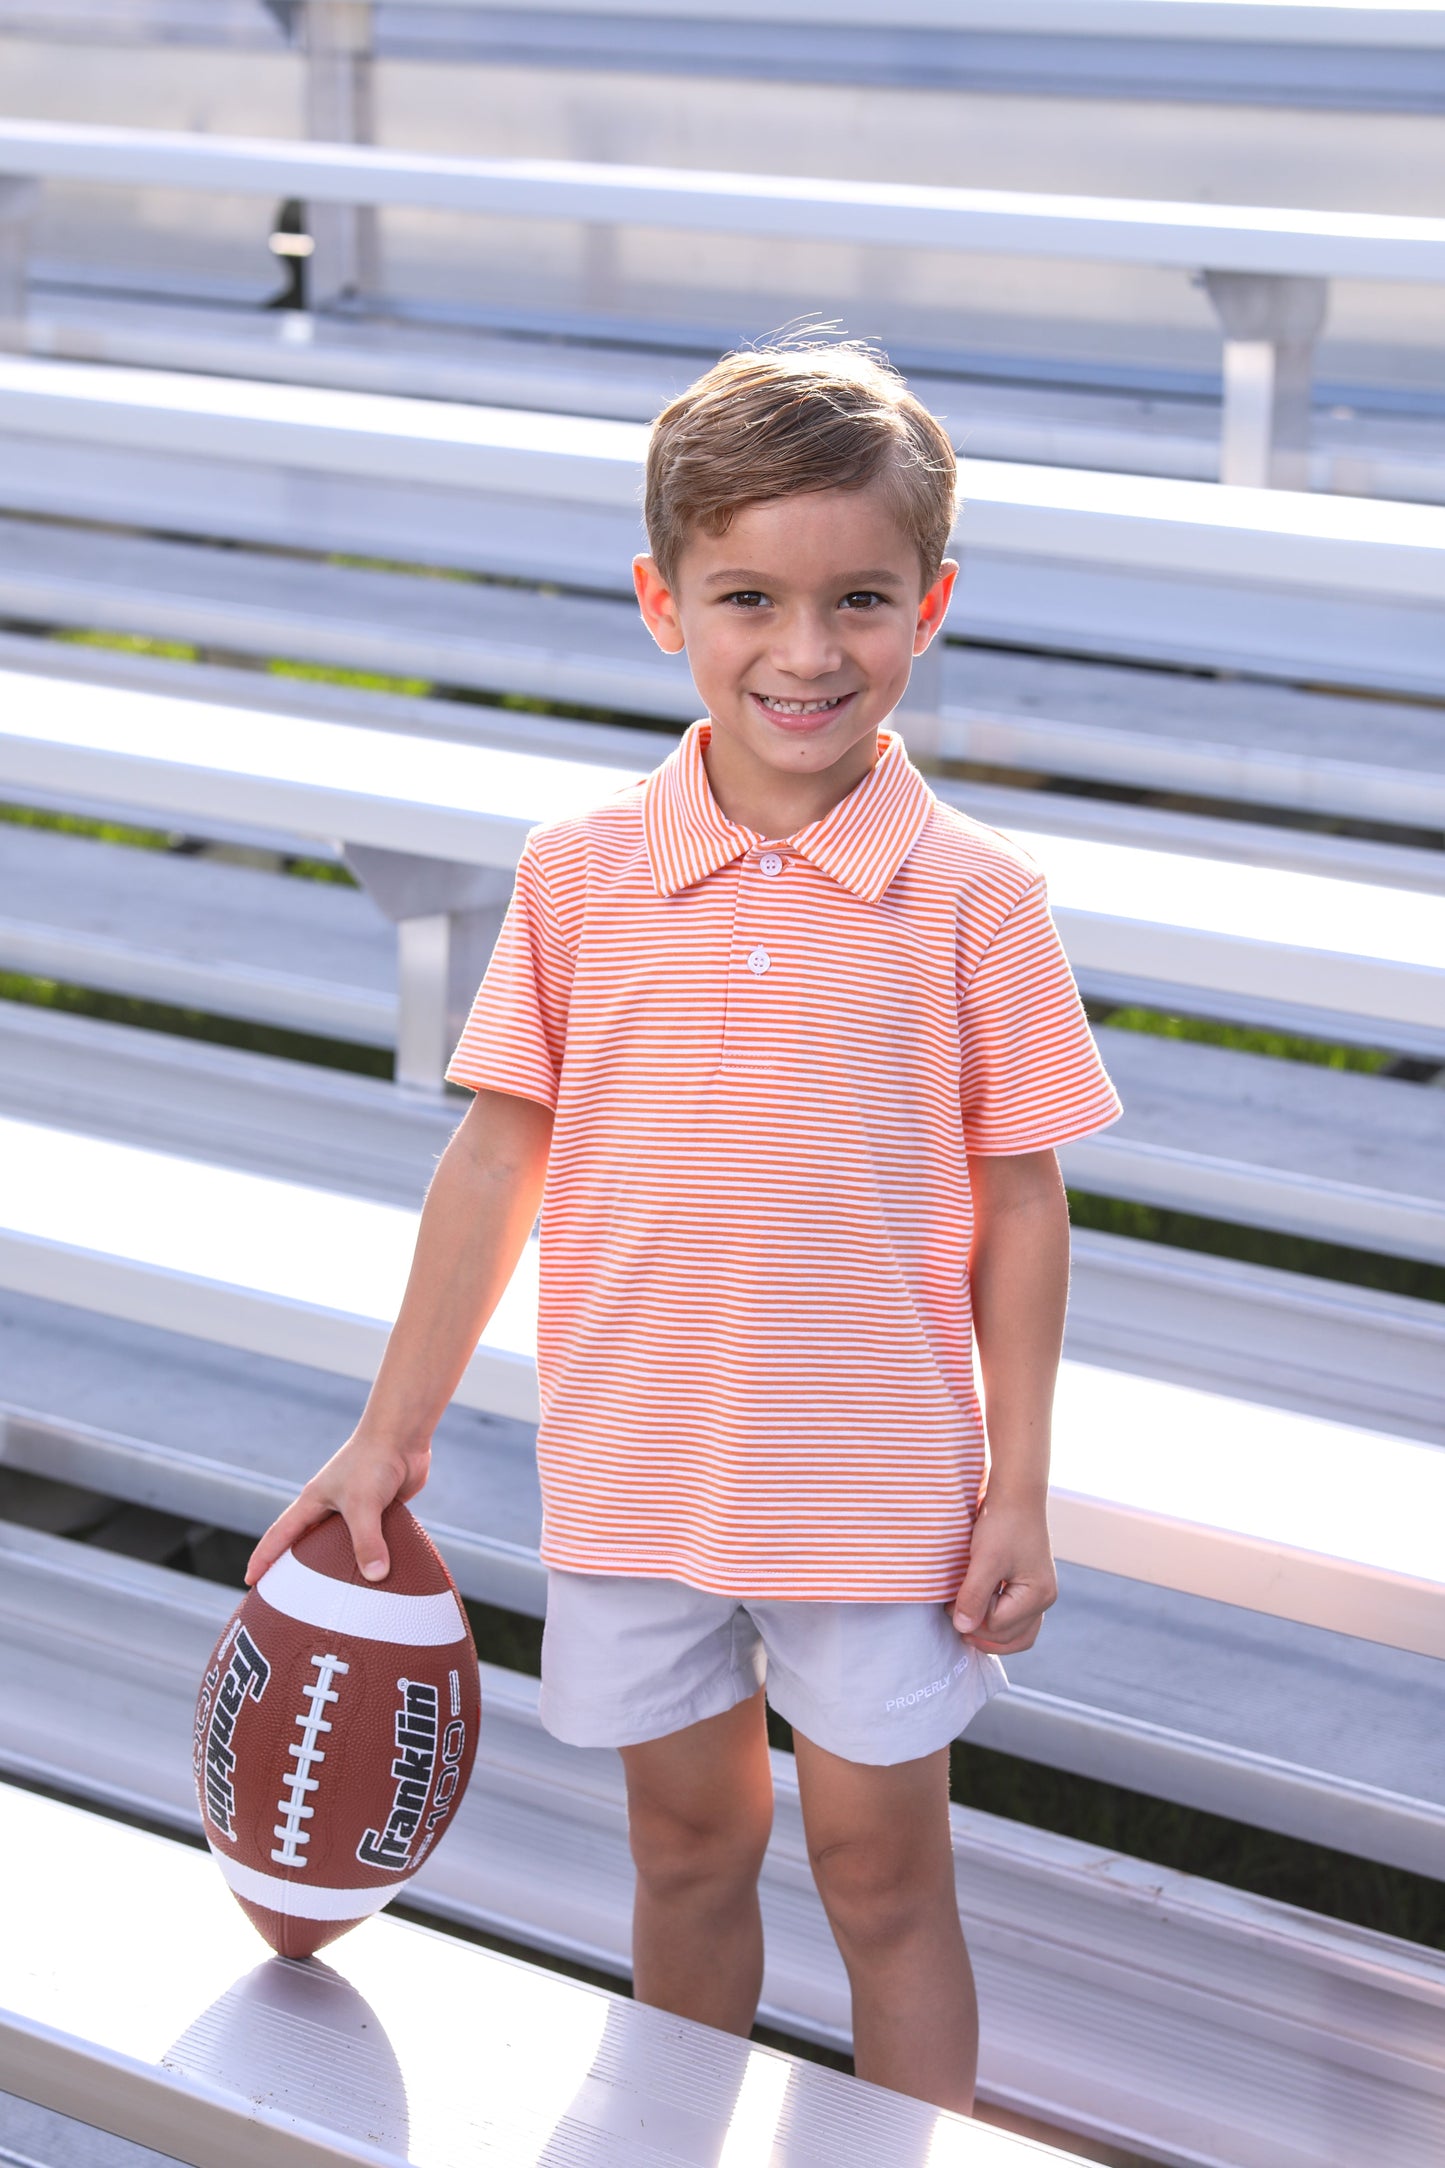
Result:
x=787 y=419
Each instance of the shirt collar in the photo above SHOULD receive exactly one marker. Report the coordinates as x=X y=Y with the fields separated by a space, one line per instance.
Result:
x=860 y=843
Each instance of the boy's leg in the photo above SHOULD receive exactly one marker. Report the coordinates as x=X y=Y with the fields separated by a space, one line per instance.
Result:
x=879 y=1842
x=699 y=1810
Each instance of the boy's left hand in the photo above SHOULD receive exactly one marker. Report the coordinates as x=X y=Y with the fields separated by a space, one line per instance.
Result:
x=1010 y=1581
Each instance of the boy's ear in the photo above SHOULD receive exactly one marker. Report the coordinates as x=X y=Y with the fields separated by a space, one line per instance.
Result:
x=934 y=607
x=659 y=609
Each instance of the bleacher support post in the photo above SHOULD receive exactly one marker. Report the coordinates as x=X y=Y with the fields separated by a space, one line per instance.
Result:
x=1270 y=326
x=18 y=200
x=447 y=919
x=339 y=110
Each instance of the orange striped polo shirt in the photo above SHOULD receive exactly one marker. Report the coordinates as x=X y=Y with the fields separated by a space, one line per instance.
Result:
x=769 y=1061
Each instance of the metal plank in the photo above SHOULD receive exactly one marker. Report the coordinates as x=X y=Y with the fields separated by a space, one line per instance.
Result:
x=1122 y=1999
x=1129 y=427
x=448 y=631
x=595 y=651
x=229 y=940
x=1030 y=601
x=1329 y=22
x=1168 y=1694
x=1318 y=1152
x=1411 y=27
x=1195 y=530
x=1321 y=1346
x=1222 y=737
x=404 y=2046
x=1251 y=1506
x=1297 y=940
x=1181 y=235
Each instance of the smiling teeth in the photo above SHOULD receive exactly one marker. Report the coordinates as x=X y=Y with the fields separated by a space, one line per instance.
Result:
x=800 y=707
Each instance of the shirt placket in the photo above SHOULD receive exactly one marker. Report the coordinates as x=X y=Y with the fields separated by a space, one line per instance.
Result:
x=756 y=968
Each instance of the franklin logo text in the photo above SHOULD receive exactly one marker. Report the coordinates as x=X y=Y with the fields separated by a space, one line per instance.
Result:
x=417 y=1811
x=246 y=1674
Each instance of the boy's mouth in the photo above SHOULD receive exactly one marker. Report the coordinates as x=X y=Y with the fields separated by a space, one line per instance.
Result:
x=800 y=711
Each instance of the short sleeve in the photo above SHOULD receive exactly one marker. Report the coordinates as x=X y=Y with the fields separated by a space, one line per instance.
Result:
x=515 y=1034
x=1031 y=1073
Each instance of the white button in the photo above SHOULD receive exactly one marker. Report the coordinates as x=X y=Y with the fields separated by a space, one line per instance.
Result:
x=770 y=864
x=758 y=962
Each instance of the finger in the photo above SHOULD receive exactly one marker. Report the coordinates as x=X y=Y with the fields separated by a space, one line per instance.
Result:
x=1021 y=1604
x=287 y=1529
x=1016 y=1609
x=363 y=1521
x=972 y=1604
x=990 y=1645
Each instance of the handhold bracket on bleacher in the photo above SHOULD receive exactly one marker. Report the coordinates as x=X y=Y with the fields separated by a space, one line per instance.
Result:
x=447 y=918
x=1270 y=325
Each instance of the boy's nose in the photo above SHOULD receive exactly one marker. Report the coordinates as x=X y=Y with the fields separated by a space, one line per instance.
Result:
x=808 y=649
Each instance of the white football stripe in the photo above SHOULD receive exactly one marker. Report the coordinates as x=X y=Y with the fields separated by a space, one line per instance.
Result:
x=301 y=1900
x=350 y=1607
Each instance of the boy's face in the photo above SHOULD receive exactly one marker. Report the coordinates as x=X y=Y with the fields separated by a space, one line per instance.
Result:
x=800 y=625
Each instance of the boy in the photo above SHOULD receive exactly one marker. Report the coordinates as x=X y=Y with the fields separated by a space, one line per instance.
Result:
x=789 y=1044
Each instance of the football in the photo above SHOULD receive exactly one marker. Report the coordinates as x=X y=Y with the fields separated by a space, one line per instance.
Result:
x=335 y=1732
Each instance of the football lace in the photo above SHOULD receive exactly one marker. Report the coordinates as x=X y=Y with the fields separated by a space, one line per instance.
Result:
x=307 y=1756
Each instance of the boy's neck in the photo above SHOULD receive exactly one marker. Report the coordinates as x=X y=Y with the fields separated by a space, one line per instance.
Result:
x=770 y=801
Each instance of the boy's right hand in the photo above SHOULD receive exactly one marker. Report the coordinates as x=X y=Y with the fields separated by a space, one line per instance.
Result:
x=359 y=1483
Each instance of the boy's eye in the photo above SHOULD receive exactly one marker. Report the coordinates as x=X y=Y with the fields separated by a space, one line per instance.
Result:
x=863 y=599
x=747 y=598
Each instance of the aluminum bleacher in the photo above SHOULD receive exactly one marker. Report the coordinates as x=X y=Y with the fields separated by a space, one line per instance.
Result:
x=403 y=2046
x=1126 y=2000
x=1257 y=52
x=1250 y=1507
x=1266 y=271
x=1340 y=938
x=1317 y=590
x=200 y=1248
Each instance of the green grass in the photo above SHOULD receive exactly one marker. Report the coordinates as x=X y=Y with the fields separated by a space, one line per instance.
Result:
x=1241 y=1038
x=195 y=1024
x=159 y=839
x=73 y=824
x=374 y=681
x=1257 y=1246
x=366 y=681
x=132 y=643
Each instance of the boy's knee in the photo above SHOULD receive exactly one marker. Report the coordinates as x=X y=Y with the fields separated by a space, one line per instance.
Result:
x=875 y=1895
x=675 y=1851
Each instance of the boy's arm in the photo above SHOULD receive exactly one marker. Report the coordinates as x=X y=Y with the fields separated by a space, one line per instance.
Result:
x=478 y=1214
x=1019 y=1269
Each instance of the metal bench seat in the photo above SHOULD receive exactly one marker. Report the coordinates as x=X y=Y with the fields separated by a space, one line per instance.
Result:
x=1121 y=1998
x=306 y=956
x=1356 y=957
x=1266 y=271
x=1371 y=453
x=1224 y=738
x=1265 y=744
x=1326 y=589
x=1327 y=1154
x=1258 y=53
x=1250 y=1505
x=1310 y=1151
x=1319 y=1346
x=1174 y=1695
x=1313 y=1151
x=405 y=2046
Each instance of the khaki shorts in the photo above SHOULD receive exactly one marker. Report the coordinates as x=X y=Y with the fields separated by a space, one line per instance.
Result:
x=626 y=1658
